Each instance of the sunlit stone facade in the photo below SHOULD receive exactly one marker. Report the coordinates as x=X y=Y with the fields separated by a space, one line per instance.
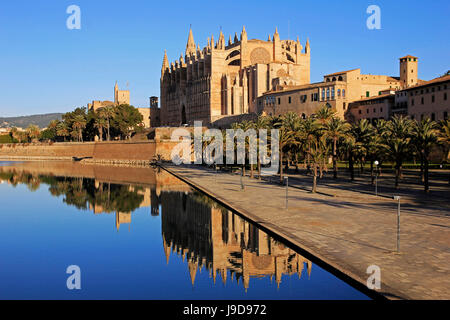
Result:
x=226 y=77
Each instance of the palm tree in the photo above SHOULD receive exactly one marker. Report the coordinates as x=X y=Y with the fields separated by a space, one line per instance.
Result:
x=424 y=139
x=14 y=133
x=79 y=123
x=107 y=113
x=62 y=130
x=286 y=139
x=99 y=123
x=32 y=132
x=444 y=138
x=325 y=114
x=350 y=147
x=362 y=131
x=335 y=129
x=291 y=122
x=260 y=124
x=397 y=142
x=318 y=151
x=306 y=134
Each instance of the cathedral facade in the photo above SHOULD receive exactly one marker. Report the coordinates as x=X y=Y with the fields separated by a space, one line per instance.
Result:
x=225 y=78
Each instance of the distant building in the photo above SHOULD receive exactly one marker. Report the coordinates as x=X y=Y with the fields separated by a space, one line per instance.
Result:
x=121 y=97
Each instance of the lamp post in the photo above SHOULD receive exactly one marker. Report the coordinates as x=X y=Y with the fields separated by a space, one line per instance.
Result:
x=287 y=188
x=376 y=177
x=398 y=222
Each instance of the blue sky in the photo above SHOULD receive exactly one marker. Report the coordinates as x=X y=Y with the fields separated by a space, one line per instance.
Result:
x=45 y=67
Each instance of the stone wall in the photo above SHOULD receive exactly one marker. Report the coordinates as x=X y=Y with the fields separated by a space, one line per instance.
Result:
x=101 y=151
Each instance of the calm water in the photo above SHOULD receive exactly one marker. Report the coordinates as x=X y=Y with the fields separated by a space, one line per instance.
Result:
x=156 y=239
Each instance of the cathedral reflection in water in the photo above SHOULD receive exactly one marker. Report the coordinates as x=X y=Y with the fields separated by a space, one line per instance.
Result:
x=194 y=227
x=212 y=237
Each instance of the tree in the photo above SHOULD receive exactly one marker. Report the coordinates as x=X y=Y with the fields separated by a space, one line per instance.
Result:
x=127 y=119
x=259 y=124
x=50 y=133
x=62 y=130
x=100 y=123
x=335 y=129
x=325 y=114
x=444 y=138
x=107 y=113
x=362 y=131
x=286 y=139
x=318 y=152
x=14 y=133
x=306 y=134
x=424 y=139
x=32 y=132
x=397 y=143
x=79 y=123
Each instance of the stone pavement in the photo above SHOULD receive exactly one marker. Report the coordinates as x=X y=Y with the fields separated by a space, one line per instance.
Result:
x=347 y=230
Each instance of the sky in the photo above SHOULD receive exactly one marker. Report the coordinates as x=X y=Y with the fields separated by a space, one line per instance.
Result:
x=46 y=67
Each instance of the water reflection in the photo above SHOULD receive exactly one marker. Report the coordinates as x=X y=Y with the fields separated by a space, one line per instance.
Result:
x=195 y=229
x=193 y=226
x=212 y=237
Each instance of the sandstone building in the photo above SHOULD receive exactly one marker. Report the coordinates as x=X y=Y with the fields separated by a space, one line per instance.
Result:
x=226 y=77
x=120 y=97
x=337 y=90
x=429 y=99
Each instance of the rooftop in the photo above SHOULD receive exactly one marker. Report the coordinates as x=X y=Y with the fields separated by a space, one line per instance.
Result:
x=341 y=72
x=408 y=56
x=430 y=82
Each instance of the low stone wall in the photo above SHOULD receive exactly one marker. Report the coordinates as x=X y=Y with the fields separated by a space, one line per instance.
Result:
x=96 y=151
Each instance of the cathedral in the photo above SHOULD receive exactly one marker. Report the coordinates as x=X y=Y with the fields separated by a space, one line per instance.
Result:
x=225 y=78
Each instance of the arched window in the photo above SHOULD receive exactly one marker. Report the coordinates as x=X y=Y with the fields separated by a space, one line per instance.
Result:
x=328 y=79
x=340 y=78
x=334 y=78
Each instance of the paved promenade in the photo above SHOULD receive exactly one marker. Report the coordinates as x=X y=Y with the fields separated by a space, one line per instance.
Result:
x=346 y=229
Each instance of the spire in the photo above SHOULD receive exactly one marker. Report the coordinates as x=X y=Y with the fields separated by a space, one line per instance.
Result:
x=229 y=41
x=166 y=250
x=276 y=36
x=212 y=41
x=269 y=39
x=190 y=47
x=236 y=39
x=165 y=64
x=307 y=46
x=221 y=44
x=192 y=270
x=243 y=34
